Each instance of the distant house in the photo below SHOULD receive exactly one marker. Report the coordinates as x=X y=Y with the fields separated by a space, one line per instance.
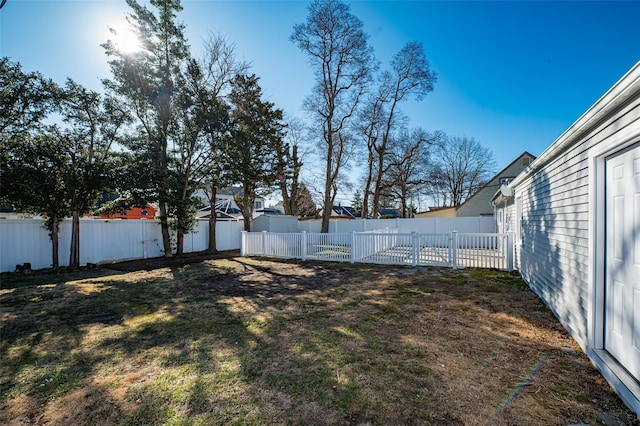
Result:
x=113 y=206
x=438 y=212
x=479 y=204
x=575 y=212
x=226 y=207
x=144 y=212
x=344 y=212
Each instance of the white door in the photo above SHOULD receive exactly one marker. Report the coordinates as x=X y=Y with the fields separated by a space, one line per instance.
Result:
x=622 y=292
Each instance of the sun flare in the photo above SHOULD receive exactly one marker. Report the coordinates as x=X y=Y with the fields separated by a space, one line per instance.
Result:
x=123 y=37
x=126 y=40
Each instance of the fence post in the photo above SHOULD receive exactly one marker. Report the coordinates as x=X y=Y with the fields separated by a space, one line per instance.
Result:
x=304 y=245
x=264 y=243
x=453 y=249
x=243 y=243
x=415 y=248
x=353 y=246
x=510 y=249
x=144 y=237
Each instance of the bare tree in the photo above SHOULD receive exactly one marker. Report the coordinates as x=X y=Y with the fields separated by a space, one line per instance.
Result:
x=290 y=164
x=341 y=57
x=410 y=75
x=409 y=166
x=461 y=166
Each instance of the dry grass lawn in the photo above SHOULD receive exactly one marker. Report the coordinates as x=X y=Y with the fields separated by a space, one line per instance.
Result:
x=252 y=341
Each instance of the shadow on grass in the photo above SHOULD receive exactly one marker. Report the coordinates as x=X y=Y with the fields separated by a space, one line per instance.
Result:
x=242 y=340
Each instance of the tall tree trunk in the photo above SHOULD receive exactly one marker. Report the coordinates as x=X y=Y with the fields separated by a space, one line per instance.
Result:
x=55 y=245
x=212 y=248
x=367 y=188
x=74 y=256
x=164 y=227
x=403 y=200
x=295 y=182
x=286 y=200
x=180 y=242
x=328 y=201
x=378 y=187
x=247 y=209
x=328 y=207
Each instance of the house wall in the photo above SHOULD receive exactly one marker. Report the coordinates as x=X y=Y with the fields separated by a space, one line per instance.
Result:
x=480 y=203
x=560 y=250
x=446 y=212
x=505 y=218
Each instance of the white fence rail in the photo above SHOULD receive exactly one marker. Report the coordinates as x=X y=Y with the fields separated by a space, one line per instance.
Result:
x=23 y=240
x=425 y=225
x=479 y=250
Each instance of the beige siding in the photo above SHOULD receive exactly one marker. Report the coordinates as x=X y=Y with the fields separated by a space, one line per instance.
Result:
x=445 y=212
x=554 y=255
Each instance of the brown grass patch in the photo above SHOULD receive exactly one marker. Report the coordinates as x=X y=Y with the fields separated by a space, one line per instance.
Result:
x=248 y=341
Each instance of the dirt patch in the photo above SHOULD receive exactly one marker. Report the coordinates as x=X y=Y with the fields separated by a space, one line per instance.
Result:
x=168 y=262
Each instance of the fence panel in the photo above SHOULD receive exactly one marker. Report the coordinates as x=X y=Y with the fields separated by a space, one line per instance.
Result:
x=483 y=250
x=104 y=240
x=434 y=249
x=329 y=246
x=26 y=240
x=280 y=244
x=452 y=249
x=384 y=248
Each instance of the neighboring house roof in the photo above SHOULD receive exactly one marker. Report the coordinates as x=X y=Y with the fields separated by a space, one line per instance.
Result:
x=235 y=191
x=345 y=211
x=480 y=203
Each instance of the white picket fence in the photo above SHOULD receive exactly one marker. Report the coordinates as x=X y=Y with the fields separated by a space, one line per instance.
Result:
x=453 y=249
x=23 y=240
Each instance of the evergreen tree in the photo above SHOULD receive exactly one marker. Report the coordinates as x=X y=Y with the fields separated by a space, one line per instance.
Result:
x=257 y=131
x=147 y=82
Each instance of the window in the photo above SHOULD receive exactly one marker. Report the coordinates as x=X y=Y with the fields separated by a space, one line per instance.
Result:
x=257 y=205
x=526 y=161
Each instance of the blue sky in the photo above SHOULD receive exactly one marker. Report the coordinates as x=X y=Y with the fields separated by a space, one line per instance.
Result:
x=514 y=75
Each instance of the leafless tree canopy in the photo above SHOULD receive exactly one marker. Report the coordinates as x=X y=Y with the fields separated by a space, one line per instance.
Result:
x=461 y=166
x=409 y=167
x=409 y=75
x=341 y=59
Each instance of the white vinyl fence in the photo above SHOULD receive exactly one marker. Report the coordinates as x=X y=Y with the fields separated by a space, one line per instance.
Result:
x=24 y=240
x=425 y=225
x=478 y=250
